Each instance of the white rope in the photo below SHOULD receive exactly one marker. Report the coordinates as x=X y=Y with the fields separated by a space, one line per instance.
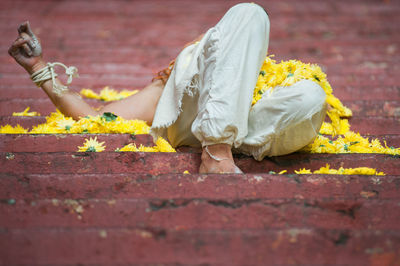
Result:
x=214 y=157
x=46 y=73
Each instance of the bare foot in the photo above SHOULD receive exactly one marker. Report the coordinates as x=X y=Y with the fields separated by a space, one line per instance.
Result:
x=218 y=159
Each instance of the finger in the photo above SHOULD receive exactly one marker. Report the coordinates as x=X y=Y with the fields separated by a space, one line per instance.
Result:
x=29 y=30
x=16 y=46
x=23 y=26
x=33 y=42
x=25 y=46
x=19 y=42
x=27 y=49
x=30 y=42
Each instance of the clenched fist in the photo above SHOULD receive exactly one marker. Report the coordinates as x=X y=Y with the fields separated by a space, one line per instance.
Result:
x=26 y=49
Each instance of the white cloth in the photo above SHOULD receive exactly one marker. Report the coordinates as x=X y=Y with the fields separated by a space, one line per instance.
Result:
x=207 y=98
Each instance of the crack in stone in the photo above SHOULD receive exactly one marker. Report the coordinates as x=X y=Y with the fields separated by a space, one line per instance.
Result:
x=157 y=205
x=344 y=208
x=232 y=204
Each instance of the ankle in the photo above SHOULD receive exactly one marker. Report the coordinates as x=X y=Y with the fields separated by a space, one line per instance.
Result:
x=219 y=150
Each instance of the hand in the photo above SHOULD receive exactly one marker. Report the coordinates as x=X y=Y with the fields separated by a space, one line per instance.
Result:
x=26 y=49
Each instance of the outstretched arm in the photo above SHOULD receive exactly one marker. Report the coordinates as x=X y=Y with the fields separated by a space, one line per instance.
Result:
x=26 y=50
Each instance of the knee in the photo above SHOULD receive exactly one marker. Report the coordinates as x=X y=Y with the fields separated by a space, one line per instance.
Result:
x=249 y=8
x=312 y=94
x=251 y=12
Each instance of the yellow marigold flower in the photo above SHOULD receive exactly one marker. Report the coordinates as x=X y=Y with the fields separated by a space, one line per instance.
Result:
x=88 y=93
x=26 y=113
x=344 y=126
x=163 y=145
x=107 y=94
x=350 y=142
x=326 y=129
x=92 y=145
x=361 y=171
x=186 y=172
x=8 y=129
x=282 y=172
x=132 y=147
x=43 y=129
x=286 y=73
x=303 y=171
x=127 y=93
x=147 y=149
x=129 y=147
x=321 y=144
x=348 y=171
x=391 y=150
x=326 y=170
x=65 y=124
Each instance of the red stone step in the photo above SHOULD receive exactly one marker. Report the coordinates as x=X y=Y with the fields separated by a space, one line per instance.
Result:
x=351 y=93
x=24 y=121
x=70 y=142
x=162 y=163
x=374 y=108
x=362 y=67
x=157 y=61
x=359 y=107
x=356 y=69
x=344 y=93
x=374 y=125
x=223 y=187
x=140 y=27
x=104 y=246
x=351 y=87
x=202 y=214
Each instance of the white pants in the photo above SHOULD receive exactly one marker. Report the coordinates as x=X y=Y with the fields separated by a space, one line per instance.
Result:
x=219 y=75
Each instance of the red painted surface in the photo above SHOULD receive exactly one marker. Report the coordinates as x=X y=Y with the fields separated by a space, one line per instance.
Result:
x=373 y=107
x=70 y=142
x=59 y=207
x=227 y=247
x=375 y=125
x=162 y=163
x=187 y=186
x=200 y=213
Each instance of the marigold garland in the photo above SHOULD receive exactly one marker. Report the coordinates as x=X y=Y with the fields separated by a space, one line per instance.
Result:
x=57 y=123
x=287 y=73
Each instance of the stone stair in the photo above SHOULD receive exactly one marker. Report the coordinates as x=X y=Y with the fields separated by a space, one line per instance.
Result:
x=61 y=207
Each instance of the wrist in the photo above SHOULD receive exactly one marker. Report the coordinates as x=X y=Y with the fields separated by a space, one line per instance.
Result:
x=36 y=67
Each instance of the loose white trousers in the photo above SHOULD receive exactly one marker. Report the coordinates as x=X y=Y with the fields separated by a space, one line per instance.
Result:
x=207 y=99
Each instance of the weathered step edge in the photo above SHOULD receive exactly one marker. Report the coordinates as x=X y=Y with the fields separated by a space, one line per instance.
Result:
x=163 y=163
x=190 y=214
x=70 y=142
x=189 y=186
x=233 y=247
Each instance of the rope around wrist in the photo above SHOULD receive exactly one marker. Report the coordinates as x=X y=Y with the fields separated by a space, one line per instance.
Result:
x=46 y=73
